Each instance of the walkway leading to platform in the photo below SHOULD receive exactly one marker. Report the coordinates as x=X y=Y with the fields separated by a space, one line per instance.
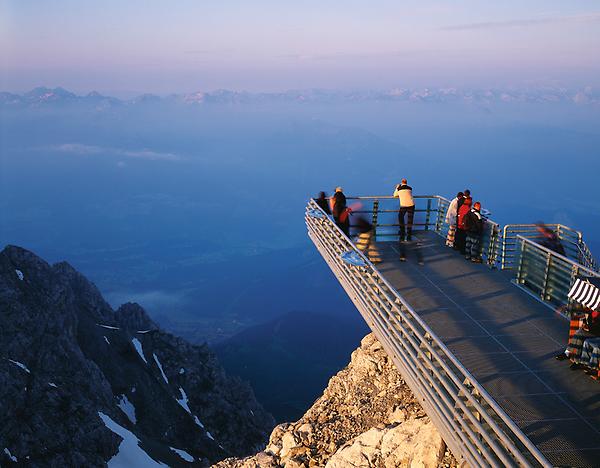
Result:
x=507 y=340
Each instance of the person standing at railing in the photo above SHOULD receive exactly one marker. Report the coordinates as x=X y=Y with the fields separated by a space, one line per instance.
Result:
x=407 y=208
x=451 y=220
x=322 y=202
x=473 y=223
x=466 y=194
x=340 y=211
x=550 y=239
x=460 y=242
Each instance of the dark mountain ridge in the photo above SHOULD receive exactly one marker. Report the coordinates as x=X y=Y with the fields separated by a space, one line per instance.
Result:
x=80 y=381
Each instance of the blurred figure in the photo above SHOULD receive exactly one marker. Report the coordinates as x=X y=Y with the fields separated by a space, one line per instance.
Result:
x=407 y=207
x=589 y=330
x=460 y=241
x=473 y=223
x=550 y=239
x=406 y=247
x=451 y=220
x=323 y=203
x=340 y=211
x=366 y=240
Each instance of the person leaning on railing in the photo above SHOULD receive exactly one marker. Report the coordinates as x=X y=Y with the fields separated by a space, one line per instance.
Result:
x=473 y=223
x=451 y=215
x=460 y=242
x=407 y=207
x=339 y=210
x=549 y=238
x=322 y=202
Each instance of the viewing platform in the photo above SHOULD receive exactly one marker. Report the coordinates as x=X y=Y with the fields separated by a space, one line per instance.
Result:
x=476 y=342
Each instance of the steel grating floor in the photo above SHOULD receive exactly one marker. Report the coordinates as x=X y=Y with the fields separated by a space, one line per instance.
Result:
x=507 y=340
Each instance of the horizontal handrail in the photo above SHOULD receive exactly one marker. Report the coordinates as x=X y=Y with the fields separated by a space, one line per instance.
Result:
x=547 y=273
x=571 y=239
x=425 y=359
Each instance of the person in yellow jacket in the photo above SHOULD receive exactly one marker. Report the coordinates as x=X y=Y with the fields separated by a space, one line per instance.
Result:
x=407 y=208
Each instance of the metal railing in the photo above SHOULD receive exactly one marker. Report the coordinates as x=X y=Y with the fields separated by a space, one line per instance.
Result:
x=571 y=240
x=475 y=428
x=545 y=273
x=383 y=211
x=430 y=215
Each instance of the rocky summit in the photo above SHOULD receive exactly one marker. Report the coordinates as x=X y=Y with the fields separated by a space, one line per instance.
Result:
x=84 y=385
x=366 y=417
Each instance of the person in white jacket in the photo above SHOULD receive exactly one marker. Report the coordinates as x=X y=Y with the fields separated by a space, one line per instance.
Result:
x=451 y=217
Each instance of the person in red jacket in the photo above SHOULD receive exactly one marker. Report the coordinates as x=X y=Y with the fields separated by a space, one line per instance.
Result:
x=460 y=240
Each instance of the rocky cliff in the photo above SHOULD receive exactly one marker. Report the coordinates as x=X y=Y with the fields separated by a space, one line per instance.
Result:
x=366 y=417
x=83 y=385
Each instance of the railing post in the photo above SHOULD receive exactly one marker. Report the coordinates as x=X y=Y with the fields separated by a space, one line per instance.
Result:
x=520 y=272
x=375 y=215
x=427 y=217
x=438 y=219
x=544 y=293
x=503 y=256
x=492 y=247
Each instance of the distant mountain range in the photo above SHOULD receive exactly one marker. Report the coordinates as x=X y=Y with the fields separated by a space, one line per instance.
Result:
x=53 y=96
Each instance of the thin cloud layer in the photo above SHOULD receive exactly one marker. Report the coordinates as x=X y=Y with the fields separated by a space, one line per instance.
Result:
x=81 y=149
x=588 y=18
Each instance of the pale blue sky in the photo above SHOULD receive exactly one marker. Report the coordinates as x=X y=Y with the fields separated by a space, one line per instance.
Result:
x=187 y=45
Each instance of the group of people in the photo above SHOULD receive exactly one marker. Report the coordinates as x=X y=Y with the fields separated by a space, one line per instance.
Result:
x=463 y=217
x=465 y=226
x=583 y=348
x=337 y=207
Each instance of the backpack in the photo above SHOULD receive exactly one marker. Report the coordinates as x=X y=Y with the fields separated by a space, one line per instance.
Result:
x=462 y=216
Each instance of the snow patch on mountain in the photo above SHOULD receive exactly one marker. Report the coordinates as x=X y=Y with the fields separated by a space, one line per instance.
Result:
x=130 y=453
x=139 y=349
x=127 y=408
x=10 y=455
x=183 y=401
x=183 y=454
x=160 y=367
x=21 y=365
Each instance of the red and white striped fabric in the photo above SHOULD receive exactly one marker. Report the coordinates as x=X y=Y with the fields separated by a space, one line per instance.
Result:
x=585 y=293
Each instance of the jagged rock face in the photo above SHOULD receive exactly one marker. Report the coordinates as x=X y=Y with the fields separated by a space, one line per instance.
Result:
x=71 y=367
x=367 y=416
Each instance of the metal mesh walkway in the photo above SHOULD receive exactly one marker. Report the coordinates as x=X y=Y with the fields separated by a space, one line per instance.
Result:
x=507 y=340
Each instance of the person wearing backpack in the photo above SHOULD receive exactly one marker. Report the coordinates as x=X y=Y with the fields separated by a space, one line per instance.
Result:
x=460 y=239
x=473 y=223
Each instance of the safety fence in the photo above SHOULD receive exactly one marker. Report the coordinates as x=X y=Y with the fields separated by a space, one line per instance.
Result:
x=545 y=273
x=571 y=240
x=429 y=215
x=475 y=428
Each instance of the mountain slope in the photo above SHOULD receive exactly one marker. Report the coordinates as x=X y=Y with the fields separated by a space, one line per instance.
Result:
x=81 y=383
x=366 y=417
